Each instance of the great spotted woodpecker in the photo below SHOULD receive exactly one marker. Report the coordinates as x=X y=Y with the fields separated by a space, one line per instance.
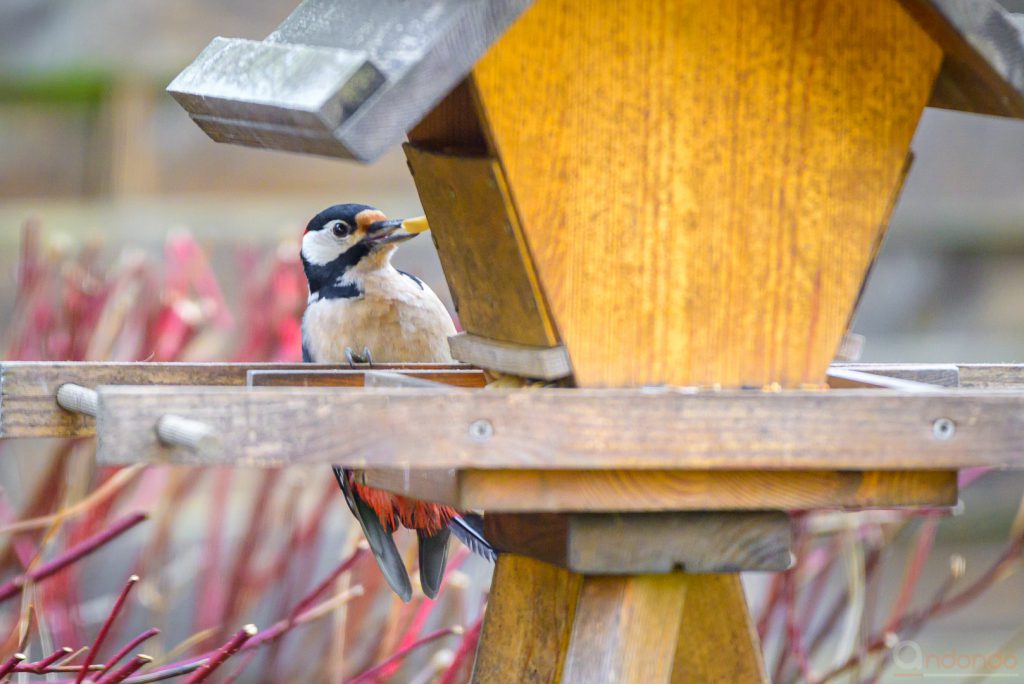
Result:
x=359 y=301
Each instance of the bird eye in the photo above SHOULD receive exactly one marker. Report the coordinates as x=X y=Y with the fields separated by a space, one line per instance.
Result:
x=340 y=229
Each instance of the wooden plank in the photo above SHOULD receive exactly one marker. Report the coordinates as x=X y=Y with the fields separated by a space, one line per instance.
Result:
x=966 y=375
x=848 y=378
x=522 y=491
x=626 y=630
x=700 y=184
x=542 y=363
x=528 y=622
x=991 y=375
x=717 y=639
x=942 y=374
x=28 y=389
x=459 y=377
x=567 y=429
x=477 y=233
x=647 y=543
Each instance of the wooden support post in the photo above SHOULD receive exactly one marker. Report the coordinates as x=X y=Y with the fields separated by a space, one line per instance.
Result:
x=626 y=629
x=717 y=639
x=528 y=622
x=546 y=624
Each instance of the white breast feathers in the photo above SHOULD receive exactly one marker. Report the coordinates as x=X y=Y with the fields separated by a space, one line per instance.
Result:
x=397 y=317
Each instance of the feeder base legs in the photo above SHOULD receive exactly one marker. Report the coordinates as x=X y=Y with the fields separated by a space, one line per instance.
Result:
x=546 y=624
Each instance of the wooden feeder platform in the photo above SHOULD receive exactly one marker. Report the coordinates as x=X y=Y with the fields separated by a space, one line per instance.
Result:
x=667 y=210
x=580 y=487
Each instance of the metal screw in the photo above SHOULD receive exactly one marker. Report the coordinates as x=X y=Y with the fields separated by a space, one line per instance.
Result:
x=481 y=430
x=943 y=429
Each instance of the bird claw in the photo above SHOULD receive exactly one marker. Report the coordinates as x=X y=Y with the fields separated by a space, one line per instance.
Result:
x=354 y=358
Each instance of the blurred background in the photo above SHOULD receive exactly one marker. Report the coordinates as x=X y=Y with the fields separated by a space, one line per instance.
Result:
x=147 y=240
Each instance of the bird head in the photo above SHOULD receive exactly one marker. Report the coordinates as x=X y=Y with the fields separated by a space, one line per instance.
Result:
x=356 y=228
x=346 y=236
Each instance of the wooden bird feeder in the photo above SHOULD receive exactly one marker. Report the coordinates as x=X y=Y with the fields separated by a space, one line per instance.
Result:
x=666 y=209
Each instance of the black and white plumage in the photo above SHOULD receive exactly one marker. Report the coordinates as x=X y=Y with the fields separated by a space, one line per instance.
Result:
x=360 y=303
x=358 y=300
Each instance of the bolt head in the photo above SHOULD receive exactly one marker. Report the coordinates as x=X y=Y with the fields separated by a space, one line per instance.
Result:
x=481 y=430
x=943 y=429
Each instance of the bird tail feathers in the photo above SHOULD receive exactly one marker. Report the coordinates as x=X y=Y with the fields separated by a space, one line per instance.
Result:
x=468 y=528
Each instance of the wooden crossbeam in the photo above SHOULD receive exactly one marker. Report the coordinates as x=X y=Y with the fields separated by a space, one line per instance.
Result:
x=523 y=491
x=28 y=389
x=647 y=543
x=576 y=428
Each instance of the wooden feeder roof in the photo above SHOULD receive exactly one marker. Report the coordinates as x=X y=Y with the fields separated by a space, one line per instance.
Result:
x=341 y=79
x=983 y=69
x=350 y=79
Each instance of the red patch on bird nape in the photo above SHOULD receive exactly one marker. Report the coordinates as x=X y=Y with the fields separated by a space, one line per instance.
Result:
x=393 y=509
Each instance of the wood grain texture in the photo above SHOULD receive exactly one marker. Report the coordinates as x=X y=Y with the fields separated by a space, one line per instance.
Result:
x=848 y=378
x=568 y=429
x=991 y=376
x=542 y=363
x=942 y=374
x=523 y=491
x=700 y=184
x=626 y=630
x=481 y=247
x=647 y=543
x=458 y=377
x=453 y=125
x=527 y=624
x=28 y=389
x=717 y=639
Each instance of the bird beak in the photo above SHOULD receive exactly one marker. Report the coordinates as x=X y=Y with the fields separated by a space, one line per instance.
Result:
x=392 y=232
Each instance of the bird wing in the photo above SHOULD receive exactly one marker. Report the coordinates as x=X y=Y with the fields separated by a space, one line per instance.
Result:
x=381 y=542
x=433 y=558
x=468 y=528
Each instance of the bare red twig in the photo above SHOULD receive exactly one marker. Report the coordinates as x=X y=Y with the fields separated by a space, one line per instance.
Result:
x=369 y=675
x=464 y=654
x=166 y=673
x=122 y=673
x=41 y=666
x=14 y=586
x=130 y=646
x=11 y=663
x=318 y=591
x=925 y=541
x=423 y=610
x=93 y=652
x=243 y=663
x=222 y=654
x=939 y=605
